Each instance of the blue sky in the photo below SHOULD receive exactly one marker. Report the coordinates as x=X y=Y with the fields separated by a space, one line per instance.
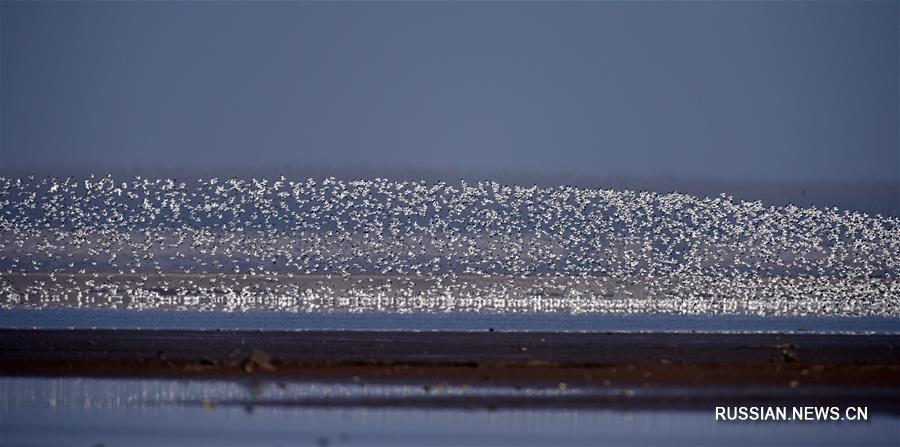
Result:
x=749 y=90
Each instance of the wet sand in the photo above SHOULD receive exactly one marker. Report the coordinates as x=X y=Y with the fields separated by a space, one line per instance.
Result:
x=508 y=358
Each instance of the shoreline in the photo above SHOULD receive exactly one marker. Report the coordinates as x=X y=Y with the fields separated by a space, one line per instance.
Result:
x=22 y=318
x=543 y=359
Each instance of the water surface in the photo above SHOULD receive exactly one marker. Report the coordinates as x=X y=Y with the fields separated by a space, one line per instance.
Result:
x=79 y=411
x=84 y=318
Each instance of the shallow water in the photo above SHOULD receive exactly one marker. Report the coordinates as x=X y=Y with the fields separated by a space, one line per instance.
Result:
x=78 y=411
x=82 y=318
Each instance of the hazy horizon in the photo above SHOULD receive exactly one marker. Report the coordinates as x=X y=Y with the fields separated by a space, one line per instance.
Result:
x=777 y=101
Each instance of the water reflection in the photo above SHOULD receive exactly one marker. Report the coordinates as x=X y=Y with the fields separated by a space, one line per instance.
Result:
x=79 y=411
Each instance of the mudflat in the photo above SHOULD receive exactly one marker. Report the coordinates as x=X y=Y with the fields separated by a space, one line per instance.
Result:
x=575 y=358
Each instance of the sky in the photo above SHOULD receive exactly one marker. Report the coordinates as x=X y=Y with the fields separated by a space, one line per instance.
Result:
x=760 y=91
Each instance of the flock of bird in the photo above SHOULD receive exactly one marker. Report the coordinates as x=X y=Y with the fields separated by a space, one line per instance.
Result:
x=409 y=246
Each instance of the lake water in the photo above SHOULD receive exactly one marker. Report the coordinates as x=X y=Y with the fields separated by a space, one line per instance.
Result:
x=87 y=412
x=81 y=318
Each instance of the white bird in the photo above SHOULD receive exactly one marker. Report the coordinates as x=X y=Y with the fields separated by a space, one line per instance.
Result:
x=307 y=245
